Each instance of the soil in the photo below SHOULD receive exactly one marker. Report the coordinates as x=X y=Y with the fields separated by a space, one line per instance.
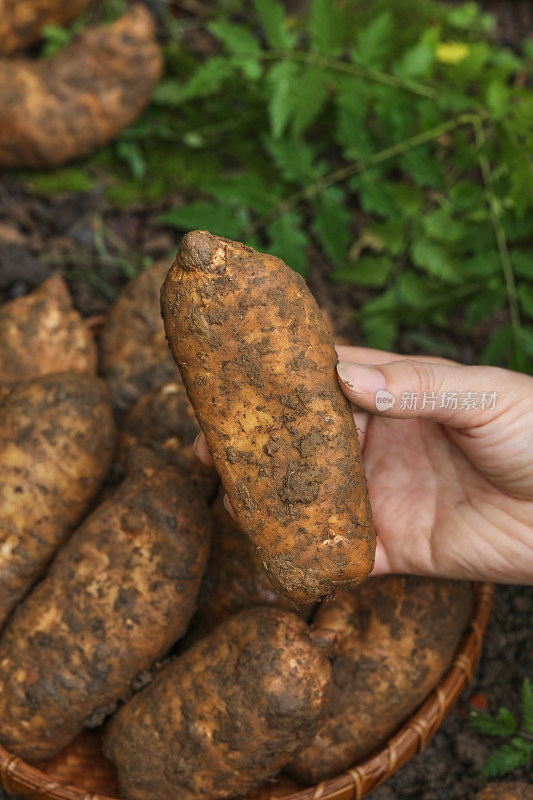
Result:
x=40 y=234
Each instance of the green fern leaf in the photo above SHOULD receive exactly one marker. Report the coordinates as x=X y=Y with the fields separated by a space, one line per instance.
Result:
x=435 y=259
x=295 y=160
x=483 y=305
x=351 y=131
x=407 y=197
x=207 y=80
x=464 y=16
x=371 y=271
x=310 y=97
x=518 y=229
x=374 y=195
x=379 y=332
x=374 y=42
x=235 y=38
x=416 y=292
x=289 y=241
x=325 y=28
x=522 y=261
x=331 y=225
x=441 y=226
x=219 y=220
x=247 y=191
x=416 y=62
x=272 y=16
x=525 y=296
x=504 y=760
x=280 y=81
x=483 y=264
x=424 y=169
x=527 y=339
x=466 y=195
x=499 y=346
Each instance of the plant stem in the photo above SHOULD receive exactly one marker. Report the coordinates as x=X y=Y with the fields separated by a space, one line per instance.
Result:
x=356 y=167
x=499 y=233
x=351 y=69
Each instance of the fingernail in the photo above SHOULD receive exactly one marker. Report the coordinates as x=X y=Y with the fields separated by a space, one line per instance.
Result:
x=361 y=379
x=228 y=506
x=196 y=443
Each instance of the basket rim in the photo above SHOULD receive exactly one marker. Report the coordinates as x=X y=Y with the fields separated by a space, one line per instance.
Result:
x=19 y=777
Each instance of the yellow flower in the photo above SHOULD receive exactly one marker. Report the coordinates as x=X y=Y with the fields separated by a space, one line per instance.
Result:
x=451 y=52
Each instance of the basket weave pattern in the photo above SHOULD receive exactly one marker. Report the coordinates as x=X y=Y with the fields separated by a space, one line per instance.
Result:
x=82 y=764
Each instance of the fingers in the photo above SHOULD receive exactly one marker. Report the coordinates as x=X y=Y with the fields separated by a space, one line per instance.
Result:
x=454 y=395
x=367 y=355
x=229 y=507
x=382 y=565
x=201 y=450
x=361 y=419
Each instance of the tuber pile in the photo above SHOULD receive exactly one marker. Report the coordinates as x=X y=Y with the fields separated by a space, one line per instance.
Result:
x=105 y=560
x=119 y=593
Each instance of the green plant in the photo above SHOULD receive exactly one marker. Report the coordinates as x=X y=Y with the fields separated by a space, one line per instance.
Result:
x=518 y=749
x=394 y=137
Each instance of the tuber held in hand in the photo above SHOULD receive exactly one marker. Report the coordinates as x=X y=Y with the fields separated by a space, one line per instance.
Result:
x=226 y=715
x=117 y=596
x=57 y=437
x=63 y=107
x=258 y=364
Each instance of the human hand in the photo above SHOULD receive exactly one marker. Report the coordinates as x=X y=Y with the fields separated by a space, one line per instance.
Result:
x=451 y=488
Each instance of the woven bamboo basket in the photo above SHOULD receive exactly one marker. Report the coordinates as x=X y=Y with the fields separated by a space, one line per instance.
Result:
x=80 y=772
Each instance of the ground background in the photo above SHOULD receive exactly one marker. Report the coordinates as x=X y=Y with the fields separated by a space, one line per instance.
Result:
x=40 y=233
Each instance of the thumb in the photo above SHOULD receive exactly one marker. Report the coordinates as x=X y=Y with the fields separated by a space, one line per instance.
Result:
x=454 y=395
